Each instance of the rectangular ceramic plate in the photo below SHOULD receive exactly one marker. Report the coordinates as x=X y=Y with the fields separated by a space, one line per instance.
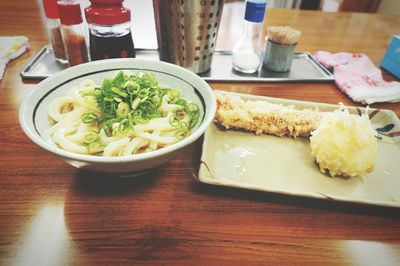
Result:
x=284 y=165
x=304 y=68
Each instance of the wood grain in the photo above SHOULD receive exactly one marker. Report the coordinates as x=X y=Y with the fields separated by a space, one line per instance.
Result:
x=51 y=213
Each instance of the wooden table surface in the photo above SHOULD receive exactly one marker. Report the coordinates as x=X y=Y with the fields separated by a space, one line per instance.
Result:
x=52 y=213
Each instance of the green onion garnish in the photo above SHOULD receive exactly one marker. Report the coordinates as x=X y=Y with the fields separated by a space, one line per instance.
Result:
x=127 y=100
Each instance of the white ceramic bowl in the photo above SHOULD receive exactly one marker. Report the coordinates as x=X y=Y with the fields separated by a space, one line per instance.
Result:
x=34 y=119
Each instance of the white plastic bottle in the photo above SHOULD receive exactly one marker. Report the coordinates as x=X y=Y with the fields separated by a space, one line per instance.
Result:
x=246 y=53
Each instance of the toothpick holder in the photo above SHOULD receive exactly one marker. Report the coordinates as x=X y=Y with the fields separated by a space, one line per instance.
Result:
x=278 y=57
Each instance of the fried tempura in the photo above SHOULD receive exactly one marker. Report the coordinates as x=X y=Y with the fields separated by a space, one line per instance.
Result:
x=264 y=117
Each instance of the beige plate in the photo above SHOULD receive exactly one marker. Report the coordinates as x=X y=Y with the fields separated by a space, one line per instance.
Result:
x=284 y=165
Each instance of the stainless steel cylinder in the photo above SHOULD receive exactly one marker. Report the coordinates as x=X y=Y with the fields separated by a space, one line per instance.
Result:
x=278 y=57
x=187 y=31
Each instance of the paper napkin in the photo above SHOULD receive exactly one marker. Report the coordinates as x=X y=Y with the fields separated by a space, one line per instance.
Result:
x=359 y=78
x=11 y=47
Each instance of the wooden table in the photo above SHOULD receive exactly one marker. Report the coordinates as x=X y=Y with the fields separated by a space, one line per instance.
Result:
x=51 y=213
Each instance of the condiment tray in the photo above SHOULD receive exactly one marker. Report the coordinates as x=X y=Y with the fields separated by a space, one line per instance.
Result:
x=284 y=165
x=304 y=69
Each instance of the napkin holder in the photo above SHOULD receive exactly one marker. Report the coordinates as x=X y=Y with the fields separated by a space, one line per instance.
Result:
x=391 y=60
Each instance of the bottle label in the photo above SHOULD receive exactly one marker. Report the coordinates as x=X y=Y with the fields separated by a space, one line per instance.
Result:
x=255 y=11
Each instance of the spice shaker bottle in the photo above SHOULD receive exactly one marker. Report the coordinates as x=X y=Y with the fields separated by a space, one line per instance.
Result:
x=109 y=29
x=246 y=53
x=54 y=27
x=73 y=32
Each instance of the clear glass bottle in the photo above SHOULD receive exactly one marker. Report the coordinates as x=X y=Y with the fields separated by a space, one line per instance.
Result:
x=73 y=32
x=247 y=52
x=109 y=29
x=54 y=27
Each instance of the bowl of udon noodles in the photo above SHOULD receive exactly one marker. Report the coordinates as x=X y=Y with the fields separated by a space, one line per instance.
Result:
x=121 y=116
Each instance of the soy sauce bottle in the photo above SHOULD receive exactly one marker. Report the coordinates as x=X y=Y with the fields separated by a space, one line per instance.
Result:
x=109 y=30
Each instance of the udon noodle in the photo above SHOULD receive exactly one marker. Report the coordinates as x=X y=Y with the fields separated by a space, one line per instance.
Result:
x=127 y=114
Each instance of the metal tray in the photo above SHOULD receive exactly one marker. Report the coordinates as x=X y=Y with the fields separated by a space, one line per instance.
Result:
x=304 y=68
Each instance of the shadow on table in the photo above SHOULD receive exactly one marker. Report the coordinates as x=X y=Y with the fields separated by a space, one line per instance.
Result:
x=303 y=202
x=96 y=183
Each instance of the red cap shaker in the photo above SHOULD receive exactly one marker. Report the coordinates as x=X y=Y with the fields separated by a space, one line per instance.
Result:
x=70 y=12
x=50 y=8
x=73 y=31
x=54 y=28
x=107 y=12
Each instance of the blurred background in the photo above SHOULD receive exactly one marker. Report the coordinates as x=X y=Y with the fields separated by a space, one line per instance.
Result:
x=144 y=33
x=371 y=6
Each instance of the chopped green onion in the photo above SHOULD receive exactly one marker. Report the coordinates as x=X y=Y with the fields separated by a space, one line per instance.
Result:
x=182 y=102
x=119 y=92
x=91 y=137
x=123 y=126
x=95 y=146
x=127 y=100
x=122 y=110
x=135 y=103
x=89 y=118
